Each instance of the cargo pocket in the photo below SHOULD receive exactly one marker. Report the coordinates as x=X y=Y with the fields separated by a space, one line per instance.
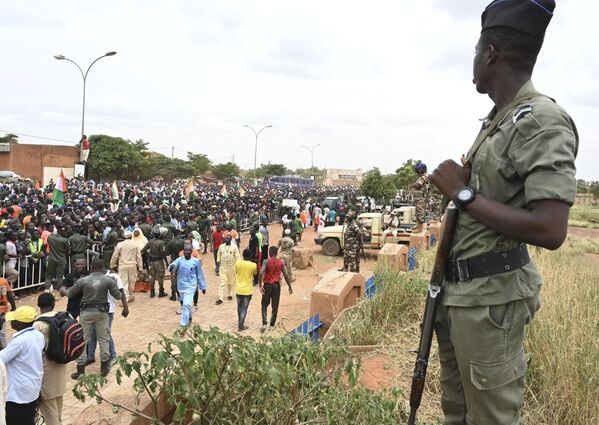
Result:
x=492 y=376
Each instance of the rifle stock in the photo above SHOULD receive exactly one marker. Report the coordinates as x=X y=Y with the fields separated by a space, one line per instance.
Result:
x=430 y=309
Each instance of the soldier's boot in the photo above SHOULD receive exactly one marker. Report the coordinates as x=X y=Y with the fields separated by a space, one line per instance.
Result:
x=161 y=292
x=173 y=296
x=152 y=292
x=80 y=372
x=105 y=368
x=417 y=228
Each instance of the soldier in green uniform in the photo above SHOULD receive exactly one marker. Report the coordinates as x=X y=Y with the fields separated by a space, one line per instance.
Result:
x=109 y=244
x=514 y=188
x=204 y=229
x=79 y=244
x=420 y=194
x=352 y=244
x=59 y=248
x=158 y=262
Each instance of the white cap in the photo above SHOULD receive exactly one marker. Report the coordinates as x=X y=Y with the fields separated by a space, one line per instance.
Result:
x=287 y=231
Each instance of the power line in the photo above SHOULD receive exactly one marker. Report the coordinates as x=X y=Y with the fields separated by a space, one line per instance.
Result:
x=38 y=137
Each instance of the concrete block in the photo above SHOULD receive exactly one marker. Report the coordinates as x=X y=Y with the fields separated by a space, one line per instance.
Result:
x=302 y=258
x=434 y=230
x=420 y=241
x=335 y=292
x=390 y=256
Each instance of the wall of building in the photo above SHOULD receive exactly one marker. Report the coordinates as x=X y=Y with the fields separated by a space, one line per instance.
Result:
x=343 y=177
x=30 y=160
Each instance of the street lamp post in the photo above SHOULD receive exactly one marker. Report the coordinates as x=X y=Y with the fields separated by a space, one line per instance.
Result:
x=311 y=149
x=256 y=133
x=84 y=76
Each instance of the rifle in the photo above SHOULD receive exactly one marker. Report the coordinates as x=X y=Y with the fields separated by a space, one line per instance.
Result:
x=430 y=309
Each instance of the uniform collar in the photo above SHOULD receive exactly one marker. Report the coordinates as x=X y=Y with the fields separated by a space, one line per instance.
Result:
x=527 y=88
x=21 y=332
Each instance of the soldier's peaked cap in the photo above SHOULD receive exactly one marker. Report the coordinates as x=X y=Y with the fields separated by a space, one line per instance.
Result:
x=528 y=16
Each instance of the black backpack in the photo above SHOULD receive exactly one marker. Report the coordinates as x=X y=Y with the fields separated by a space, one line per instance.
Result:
x=66 y=342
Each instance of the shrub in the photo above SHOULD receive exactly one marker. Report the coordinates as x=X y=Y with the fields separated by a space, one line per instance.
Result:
x=223 y=378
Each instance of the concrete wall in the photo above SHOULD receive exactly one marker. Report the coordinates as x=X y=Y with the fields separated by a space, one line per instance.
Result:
x=29 y=160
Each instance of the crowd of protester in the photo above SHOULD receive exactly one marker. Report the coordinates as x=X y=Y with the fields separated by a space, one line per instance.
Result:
x=73 y=248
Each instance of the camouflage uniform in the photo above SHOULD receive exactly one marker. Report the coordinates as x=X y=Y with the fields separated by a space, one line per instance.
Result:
x=352 y=241
x=286 y=245
x=420 y=194
x=157 y=254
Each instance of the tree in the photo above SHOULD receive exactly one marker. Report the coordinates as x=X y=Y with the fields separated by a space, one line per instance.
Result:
x=594 y=189
x=405 y=176
x=199 y=162
x=141 y=145
x=269 y=170
x=225 y=171
x=309 y=172
x=377 y=186
x=10 y=138
x=582 y=186
x=114 y=158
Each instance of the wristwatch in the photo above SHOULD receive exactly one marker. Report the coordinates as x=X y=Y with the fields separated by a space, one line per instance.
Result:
x=464 y=197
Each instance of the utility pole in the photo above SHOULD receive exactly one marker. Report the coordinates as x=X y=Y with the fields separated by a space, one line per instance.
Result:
x=256 y=133
x=311 y=149
x=172 y=152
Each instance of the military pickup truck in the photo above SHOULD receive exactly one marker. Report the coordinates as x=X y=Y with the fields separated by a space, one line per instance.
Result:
x=373 y=227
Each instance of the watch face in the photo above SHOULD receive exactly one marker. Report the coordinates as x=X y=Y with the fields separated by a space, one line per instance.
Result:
x=464 y=195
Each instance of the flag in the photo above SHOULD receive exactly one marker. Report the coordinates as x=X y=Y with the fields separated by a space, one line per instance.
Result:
x=115 y=191
x=223 y=191
x=190 y=188
x=241 y=191
x=59 y=189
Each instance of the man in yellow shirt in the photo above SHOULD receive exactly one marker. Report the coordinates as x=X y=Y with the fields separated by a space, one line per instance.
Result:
x=245 y=270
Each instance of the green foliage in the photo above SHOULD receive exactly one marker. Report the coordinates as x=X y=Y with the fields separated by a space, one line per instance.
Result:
x=221 y=378
x=269 y=170
x=405 y=175
x=319 y=174
x=199 y=162
x=13 y=139
x=377 y=186
x=225 y=171
x=114 y=158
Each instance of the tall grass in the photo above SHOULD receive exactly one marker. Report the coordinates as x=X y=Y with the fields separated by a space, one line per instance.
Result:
x=563 y=339
x=562 y=384
x=584 y=216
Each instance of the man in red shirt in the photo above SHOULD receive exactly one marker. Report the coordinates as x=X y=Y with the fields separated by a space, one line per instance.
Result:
x=217 y=240
x=270 y=285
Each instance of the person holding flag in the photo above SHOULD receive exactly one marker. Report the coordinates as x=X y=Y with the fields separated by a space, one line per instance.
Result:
x=60 y=188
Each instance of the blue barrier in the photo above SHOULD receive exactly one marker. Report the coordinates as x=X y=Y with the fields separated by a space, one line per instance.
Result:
x=412 y=253
x=370 y=287
x=309 y=327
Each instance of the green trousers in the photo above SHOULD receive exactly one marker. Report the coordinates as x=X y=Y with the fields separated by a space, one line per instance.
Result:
x=92 y=318
x=481 y=350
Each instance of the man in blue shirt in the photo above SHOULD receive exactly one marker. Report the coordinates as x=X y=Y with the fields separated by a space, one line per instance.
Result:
x=188 y=273
x=24 y=367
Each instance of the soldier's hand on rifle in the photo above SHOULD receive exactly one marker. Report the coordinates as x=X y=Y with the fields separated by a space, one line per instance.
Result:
x=450 y=176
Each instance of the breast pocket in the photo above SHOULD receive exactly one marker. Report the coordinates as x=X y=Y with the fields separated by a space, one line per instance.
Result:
x=493 y=175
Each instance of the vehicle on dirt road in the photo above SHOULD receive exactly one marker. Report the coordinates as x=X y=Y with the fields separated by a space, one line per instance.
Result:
x=373 y=227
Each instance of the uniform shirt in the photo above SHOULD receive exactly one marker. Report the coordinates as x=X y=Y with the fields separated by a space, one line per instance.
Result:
x=245 y=272
x=95 y=288
x=24 y=366
x=79 y=243
x=58 y=247
x=530 y=157
x=126 y=253
x=156 y=249
x=189 y=274
x=286 y=244
x=54 y=380
x=227 y=256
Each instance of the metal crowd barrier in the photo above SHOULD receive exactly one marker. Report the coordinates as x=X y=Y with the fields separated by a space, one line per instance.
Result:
x=309 y=328
x=32 y=275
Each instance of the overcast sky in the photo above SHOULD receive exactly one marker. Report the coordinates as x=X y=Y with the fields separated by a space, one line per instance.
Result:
x=374 y=82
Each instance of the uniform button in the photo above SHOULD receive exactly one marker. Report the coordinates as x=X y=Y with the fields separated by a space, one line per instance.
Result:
x=484 y=381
